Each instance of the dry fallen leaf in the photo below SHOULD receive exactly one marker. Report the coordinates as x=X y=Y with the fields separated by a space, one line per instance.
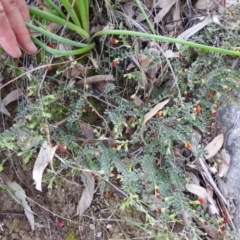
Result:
x=165 y=6
x=87 y=196
x=196 y=28
x=4 y=110
x=21 y=198
x=12 y=96
x=192 y=178
x=96 y=79
x=204 y=4
x=224 y=166
x=44 y=157
x=197 y=190
x=187 y=218
x=73 y=71
x=202 y=193
x=214 y=146
x=208 y=176
x=87 y=130
x=150 y=114
x=208 y=228
x=56 y=124
x=144 y=60
x=170 y=54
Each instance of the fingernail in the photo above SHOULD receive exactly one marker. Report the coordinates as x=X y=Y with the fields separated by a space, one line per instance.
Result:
x=16 y=52
x=33 y=47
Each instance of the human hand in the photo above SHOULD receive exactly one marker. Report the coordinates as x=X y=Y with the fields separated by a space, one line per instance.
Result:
x=13 y=32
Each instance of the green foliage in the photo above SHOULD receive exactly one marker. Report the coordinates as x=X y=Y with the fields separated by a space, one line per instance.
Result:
x=78 y=20
x=149 y=174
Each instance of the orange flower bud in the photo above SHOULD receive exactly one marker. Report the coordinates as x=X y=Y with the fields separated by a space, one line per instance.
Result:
x=188 y=145
x=201 y=200
x=114 y=63
x=198 y=109
x=51 y=45
x=113 y=41
x=62 y=149
x=210 y=94
x=48 y=68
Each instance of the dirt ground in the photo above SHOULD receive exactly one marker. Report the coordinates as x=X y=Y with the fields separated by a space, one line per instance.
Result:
x=55 y=211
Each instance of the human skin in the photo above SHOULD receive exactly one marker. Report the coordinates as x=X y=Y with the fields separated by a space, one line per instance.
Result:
x=13 y=32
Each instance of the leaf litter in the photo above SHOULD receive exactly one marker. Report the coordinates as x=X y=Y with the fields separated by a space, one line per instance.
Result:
x=87 y=195
x=45 y=156
x=20 y=195
x=12 y=96
x=150 y=114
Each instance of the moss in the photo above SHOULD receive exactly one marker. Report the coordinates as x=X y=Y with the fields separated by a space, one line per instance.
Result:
x=71 y=235
x=90 y=115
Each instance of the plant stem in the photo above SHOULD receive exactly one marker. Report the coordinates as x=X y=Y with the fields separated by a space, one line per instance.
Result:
x=83 y=8
x=166 y=39
x=145 y=15
x=58 y=20
x=63 y=53
x=56 y=37
x=72 y=13
x=56 y=8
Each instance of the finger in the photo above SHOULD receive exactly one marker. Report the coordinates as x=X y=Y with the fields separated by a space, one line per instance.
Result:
x=7 y=38
x=17 y=23
x=23 y=10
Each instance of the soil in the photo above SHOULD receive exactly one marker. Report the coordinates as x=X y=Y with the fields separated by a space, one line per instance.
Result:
x=55 y=211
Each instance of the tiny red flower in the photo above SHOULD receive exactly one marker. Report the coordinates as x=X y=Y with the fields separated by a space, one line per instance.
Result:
x=114 y=63
x=213 y=113
x=201 y=200
x=180 y=54
x=48 y=68
x=226 y=219
x=210 y=94
x=159 y=211
x=198 y=109
x=173 y=90
x=62 y=149
x=158 y=196
x=113 y=41
x=222 y=228
x=115 y=146
x=106 y=195
x=188 y=145
x=154 y=133
x=51 y=45
x=159 y=114
x=175 y=121
x=58 y=223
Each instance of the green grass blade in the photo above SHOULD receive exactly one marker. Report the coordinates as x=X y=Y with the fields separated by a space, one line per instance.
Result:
x=166 y=39
x=58 y=20
x=145 y=15
x=55 y=37
x=82 y=5
x=70 y=9
x=87 y=6
x=56 y=8
x=63 y=53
